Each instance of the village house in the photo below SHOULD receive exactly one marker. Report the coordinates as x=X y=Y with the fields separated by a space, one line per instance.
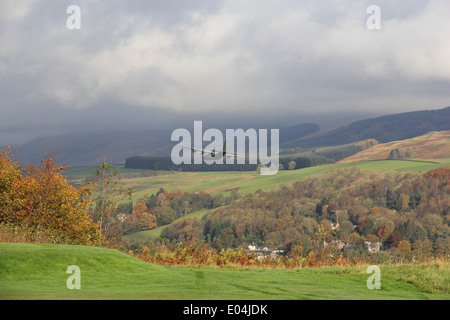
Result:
x=372 y=247
x=264 y=252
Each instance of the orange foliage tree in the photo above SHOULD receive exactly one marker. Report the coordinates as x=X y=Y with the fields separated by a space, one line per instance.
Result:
x=142 y=217
x=41 y=198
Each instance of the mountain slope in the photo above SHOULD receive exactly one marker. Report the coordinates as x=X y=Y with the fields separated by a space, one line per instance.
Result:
x=297 y=131
x=383 y=129
x=86 y=148
x=431 y=145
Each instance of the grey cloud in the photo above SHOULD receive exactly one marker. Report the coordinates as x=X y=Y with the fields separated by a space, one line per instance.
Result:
x=161 y=62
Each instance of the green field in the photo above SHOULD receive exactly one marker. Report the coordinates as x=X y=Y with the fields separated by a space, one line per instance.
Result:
x=38 y=271
x=244 y=182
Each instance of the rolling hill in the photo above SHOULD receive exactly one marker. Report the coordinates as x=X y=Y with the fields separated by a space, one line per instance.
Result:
x=431 y=145
x=224 y=182
x=296 y=131
x=86 y=148
x=383 y=129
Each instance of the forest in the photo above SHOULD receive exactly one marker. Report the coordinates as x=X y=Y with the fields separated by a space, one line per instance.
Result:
x=342 y=212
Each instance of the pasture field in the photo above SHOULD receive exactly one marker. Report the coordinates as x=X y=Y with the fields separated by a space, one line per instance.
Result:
x=38 y=271
x=147 y=182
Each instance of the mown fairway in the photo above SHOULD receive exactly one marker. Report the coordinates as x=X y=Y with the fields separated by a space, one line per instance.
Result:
x=38 y=271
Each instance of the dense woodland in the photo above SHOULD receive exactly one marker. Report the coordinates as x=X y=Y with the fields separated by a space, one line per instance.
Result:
x=407 y=213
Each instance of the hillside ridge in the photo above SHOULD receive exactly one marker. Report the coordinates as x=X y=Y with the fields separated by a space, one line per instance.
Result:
x=435 y=144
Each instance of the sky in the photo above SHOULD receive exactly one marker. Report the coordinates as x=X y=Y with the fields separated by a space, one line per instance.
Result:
x=155 y=64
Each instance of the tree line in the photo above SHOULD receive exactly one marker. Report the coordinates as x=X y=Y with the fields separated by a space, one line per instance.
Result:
x=165 y=163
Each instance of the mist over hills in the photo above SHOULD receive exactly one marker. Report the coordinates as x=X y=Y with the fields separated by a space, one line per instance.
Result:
x=88 y=147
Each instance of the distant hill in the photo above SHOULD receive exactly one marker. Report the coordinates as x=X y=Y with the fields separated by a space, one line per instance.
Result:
x=296 y=131
x=86 y=148
x=431 y=145
x=383 y=129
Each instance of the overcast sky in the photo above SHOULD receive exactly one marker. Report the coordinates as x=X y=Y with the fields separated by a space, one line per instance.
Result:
x=141 y=63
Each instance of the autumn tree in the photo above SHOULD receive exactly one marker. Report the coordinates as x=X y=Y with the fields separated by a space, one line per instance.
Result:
x=431 y=223
x=404 y=202
x=405 y=248
x=394 y=154
x=422 y=249
x=107 y=195
x=292 y=165
x=226 y=239
x=296 y=251
x=165 y=215
x=386 y=230
x=419 y=233
x=139 y=210
x=10 y=176
x=345 y=229
x=372 y=238
x=356 y=240
x=41 y=198
x=443 y=245
x=147 y=221
x=141 y=218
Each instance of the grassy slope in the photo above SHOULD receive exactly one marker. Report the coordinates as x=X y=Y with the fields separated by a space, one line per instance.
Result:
x=38 y=271
x=245 y=182
x=430 y=145
x=266 y=183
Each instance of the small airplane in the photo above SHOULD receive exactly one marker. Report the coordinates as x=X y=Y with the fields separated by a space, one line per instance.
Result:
x=215 y=155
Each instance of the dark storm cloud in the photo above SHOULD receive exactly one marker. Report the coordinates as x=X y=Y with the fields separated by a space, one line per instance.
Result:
x=161 y=63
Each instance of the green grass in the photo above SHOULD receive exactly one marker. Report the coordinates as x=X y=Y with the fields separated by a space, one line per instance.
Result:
x=286 y=177
x=245 y=182
x=38 y=271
